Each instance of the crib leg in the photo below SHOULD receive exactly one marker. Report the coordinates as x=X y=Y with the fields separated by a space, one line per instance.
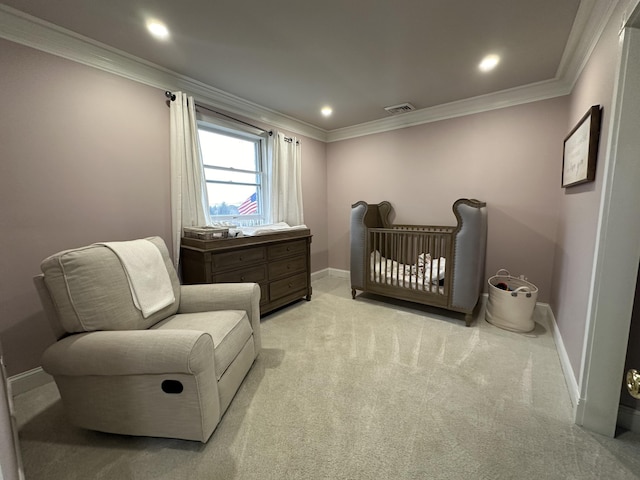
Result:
x=353 y=293
x=468 y=319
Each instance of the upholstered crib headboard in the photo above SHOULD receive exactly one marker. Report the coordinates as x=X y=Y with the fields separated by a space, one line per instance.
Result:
x=469 y=246
x=363 y=216
x=397 y=270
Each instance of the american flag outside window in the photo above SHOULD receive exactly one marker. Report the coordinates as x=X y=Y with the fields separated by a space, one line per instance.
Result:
x=249 y=206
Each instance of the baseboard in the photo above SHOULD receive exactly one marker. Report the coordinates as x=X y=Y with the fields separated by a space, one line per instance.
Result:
x=319 y=274
x=25 y=381
x=545 y=311
x=330 y=272
x=336 y=272
x=565 y=363
x=629 y=418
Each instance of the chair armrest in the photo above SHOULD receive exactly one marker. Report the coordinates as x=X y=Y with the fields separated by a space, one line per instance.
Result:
x=224 y=296
x=130 y=352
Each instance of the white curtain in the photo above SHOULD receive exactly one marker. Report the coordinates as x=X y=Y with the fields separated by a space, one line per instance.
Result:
x=285 y=165
x=189 y=202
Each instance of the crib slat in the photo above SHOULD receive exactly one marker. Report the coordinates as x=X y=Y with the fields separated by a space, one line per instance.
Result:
x=386 y=253
x=401 y=249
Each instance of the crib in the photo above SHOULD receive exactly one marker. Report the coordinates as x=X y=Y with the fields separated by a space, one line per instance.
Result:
x=441 y=266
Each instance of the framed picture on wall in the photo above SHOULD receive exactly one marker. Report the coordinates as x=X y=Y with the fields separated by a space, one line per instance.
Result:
x=581 y=150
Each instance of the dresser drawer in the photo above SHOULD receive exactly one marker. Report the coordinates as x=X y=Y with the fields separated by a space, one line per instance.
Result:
x=282 y=288
x=238 y=258
x=287 y=267
x=251 y=274
x=288 y=248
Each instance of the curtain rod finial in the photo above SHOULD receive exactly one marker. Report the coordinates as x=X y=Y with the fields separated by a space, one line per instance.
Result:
x=169 y=95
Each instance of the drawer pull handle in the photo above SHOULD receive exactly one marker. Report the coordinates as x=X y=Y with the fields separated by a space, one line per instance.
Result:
x=242 y=279
x=288 y=248
x=240 y=258
x=290 y=285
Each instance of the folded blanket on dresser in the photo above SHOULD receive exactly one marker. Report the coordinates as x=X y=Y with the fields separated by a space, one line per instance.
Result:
x=149 y=280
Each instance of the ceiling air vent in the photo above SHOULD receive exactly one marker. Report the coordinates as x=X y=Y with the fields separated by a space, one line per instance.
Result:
x=398 y=109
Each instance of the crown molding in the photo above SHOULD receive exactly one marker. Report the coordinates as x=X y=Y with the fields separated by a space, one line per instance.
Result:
x=591 y=19
x=31 y=31
x=483 y=103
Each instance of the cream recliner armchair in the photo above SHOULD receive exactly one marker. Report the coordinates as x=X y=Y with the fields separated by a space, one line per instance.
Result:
x=124 y=364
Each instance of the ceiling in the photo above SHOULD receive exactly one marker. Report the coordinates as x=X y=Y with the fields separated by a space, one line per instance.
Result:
x=358 y=56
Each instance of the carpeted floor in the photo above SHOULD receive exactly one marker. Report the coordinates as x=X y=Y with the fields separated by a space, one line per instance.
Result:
x=360 y=389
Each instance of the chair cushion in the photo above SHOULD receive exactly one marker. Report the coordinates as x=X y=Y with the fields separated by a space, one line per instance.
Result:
x=229 y=329
x=90 y=290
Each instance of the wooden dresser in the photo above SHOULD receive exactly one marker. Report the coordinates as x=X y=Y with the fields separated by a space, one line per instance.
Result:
x=279 y=262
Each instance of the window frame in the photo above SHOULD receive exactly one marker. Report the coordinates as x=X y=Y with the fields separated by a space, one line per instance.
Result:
x=259 y=137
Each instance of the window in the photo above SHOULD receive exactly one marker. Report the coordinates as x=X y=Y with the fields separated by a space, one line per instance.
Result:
x=233 y=161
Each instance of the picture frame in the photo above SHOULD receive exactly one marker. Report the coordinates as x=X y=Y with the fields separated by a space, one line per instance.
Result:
x=581 y=149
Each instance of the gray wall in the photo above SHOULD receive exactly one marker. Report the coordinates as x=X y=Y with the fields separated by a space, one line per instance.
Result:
x=85 y=158
x=511 y=158
x=579 y=207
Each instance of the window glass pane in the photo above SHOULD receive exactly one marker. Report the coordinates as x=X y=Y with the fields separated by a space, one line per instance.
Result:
x=232 y=200
x=226 y=151
x=231 y=159
x=227 y=176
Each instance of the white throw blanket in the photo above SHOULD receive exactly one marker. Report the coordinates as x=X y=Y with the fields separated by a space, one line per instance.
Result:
x=149 y=280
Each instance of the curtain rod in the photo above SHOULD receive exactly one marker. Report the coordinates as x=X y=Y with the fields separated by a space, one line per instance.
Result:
x=172 y=97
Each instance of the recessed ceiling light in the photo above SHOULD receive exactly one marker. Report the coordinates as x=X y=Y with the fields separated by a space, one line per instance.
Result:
x=326 y=111
x=158 y=29
x=489 y=63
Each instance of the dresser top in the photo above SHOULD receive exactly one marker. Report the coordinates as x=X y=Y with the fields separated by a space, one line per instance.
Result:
x=257 y=240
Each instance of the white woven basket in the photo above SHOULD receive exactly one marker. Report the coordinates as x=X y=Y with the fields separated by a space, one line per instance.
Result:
x=511 y=307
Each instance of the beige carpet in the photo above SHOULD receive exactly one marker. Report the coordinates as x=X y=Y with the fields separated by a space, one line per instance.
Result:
x=360 y=389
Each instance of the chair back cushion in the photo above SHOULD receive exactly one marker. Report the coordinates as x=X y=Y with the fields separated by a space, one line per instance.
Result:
x=90 y=291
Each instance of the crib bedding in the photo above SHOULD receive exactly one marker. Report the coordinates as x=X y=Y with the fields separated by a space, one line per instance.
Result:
x=415 y=276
